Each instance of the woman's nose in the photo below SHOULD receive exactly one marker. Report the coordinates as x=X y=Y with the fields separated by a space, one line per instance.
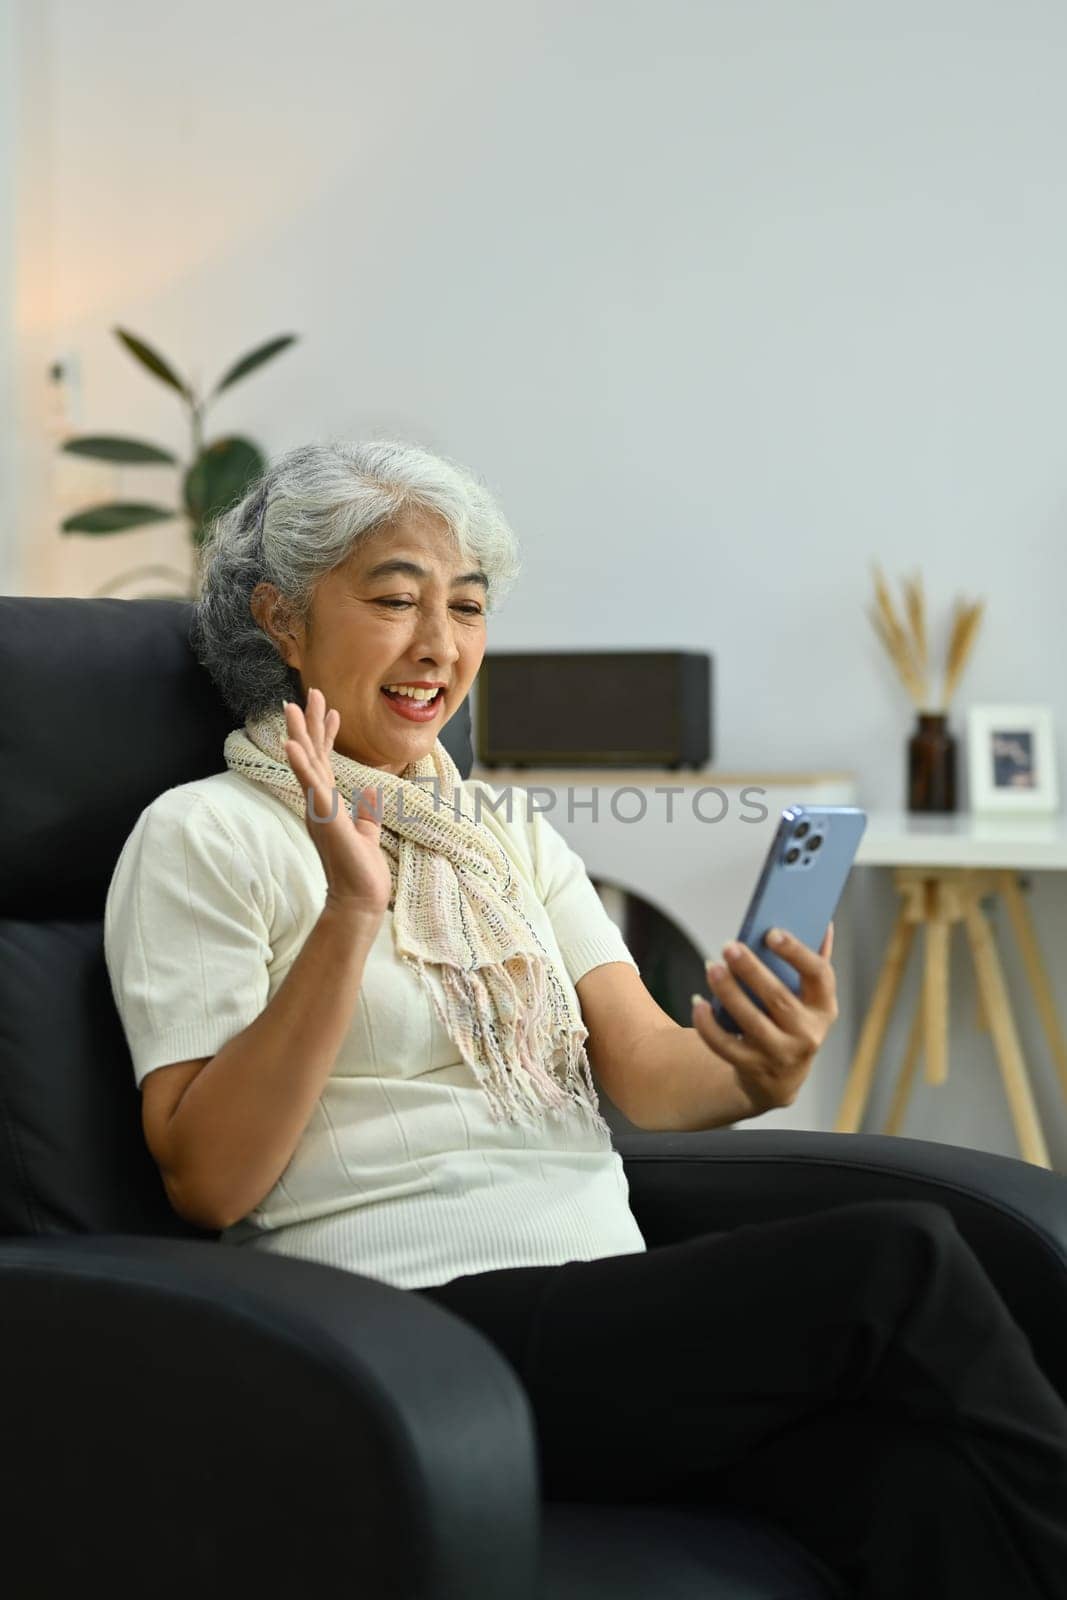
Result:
x=435 y=637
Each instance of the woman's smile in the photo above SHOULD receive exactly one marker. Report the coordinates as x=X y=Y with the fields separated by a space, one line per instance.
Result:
x=405 y=705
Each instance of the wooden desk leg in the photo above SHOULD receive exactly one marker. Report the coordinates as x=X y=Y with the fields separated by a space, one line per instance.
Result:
x=935 y=984
x=858 y=1087
x=988 y=971
x=895 y=1119
x=1023 y=924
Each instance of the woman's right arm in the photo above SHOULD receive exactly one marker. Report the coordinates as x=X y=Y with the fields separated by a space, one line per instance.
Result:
x=224 y=1145
x=223 y=1138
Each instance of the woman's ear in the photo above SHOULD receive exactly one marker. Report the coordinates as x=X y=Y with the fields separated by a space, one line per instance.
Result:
x=273 y=613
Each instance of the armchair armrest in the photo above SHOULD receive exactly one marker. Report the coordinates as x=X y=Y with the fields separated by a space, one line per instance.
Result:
x=184 y=1417
x=1011 y=1213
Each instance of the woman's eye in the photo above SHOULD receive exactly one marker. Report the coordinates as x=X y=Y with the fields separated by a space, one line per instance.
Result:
x=468 y=610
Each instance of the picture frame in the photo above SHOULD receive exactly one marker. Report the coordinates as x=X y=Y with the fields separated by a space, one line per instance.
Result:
x=1011 y=759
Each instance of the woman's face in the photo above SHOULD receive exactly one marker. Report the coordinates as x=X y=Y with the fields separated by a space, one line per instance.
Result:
x=371 y=627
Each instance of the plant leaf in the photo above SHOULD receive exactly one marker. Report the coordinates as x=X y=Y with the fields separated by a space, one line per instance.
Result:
x=154 y=362
x=220 y=475
x=115 y=516
x=108 y=447
x=255 y=358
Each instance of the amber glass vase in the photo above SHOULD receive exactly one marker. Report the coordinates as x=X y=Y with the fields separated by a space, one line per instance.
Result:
x=932 y=764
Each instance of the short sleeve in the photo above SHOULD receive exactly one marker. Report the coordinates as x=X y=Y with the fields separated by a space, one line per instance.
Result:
x=185 y=935
x=586 y=935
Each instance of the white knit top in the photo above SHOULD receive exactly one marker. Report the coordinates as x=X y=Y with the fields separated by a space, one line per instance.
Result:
x=401 y=1173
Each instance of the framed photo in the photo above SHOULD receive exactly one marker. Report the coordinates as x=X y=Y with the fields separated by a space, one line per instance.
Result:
x=1011 y=759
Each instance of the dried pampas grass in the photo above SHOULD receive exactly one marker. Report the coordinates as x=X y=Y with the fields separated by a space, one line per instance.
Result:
x=906 y=639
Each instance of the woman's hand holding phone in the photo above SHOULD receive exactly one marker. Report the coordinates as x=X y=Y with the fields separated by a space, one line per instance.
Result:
x=774 y=1053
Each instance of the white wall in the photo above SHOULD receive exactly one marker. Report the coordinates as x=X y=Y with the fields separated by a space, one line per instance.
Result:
x=724 y=299
x=27 y=163
x=9 y=509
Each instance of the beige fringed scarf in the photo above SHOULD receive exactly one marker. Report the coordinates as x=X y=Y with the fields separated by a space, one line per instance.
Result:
x=456 y=906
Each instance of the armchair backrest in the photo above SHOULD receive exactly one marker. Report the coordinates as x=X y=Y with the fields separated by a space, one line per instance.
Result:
x=105 y=707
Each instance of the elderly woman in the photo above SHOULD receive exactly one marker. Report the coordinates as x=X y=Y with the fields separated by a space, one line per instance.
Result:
x=360 y=1033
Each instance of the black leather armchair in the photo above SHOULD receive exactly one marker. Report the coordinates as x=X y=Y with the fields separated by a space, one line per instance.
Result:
x=182 y=1420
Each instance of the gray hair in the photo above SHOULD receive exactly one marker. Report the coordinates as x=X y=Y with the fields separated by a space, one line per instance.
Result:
x=305 y=516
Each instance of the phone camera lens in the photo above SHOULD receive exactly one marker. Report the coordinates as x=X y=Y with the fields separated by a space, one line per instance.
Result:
x=816 y=842
x=792 y=854
x=801 y=829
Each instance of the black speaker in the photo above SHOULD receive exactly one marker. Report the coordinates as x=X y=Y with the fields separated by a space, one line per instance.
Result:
x=594 y=708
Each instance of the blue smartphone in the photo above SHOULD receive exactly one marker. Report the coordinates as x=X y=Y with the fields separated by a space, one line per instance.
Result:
x=806 y=869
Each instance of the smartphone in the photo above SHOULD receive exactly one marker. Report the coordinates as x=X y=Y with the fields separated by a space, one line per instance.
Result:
x=799 y=887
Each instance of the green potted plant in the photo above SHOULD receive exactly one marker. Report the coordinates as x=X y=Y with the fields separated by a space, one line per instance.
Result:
x=218 y=472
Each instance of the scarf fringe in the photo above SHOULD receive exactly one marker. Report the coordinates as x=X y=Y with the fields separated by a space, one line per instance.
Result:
x=537 y=1088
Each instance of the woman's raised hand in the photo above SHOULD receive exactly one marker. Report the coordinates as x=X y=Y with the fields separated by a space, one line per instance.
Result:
x=357 y=870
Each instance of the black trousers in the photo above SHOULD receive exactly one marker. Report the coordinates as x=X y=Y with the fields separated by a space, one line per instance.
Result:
x=853 y=1375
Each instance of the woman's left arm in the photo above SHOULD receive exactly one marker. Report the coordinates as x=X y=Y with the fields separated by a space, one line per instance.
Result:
x=664 y=1077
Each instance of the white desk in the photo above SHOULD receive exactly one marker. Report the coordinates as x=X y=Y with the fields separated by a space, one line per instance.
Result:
x=897 y=839
x=944 y=866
